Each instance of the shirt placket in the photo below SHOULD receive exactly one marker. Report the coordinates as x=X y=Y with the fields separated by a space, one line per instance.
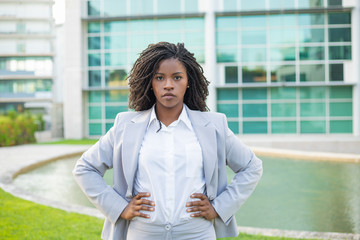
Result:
x=170 y=175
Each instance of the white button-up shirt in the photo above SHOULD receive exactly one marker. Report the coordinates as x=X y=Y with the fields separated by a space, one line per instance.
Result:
x=170 y=168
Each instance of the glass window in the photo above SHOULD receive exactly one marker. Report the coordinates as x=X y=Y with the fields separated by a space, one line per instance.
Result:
x=312 y=93
x=253 y=37
x=334 y=2
x=191 y=6
x=94 y=43
x=195 y=39
x=340 y=52
x=283 y=127
x=142 y=25
x=283 y=93
x=94 y=112
x=283 y=109
x=282 y=36
x=94 y=78
x=112 y=111
x=226 y=38
x=141 y=7
x=309 y=19
x=230 y=110
x=310 y=3
x=312 y=126
x=336 y=72
x=93 y=27
x=254 y=94
x=94 y=96
x=312 y=73
x=95 y=129
x=341 y=109
x=313 y=109
x=283 y=73
x=93 y=8
x=253 y=74
x=198 y=53
x=115 y=42
x=341 y=126
x=114 y=7
x=252 y=5
x=227 y=55
x=255 y=127
x=341 y=92
x=231 y=74
x=169 y=24
x=256 y=21
x=117 y=96
x=234 y=126
x=227 y=94
x=115 y=78
x=282 y=54
x=168 y=6
x=307 y=35
x=94 y=59
x=115 y=27
x=254 y=110
x=230 y=5
x=194 y=23
x=115 y=59
x=226 y=22
x=282 y=20
x=253 y=54
x=339 y=18
x=312 y=53
x=339 y=34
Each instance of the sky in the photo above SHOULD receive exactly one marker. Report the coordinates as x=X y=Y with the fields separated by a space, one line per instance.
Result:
x=59 y=11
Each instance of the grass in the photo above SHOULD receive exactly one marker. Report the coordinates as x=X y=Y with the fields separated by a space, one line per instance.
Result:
x=22 y=219
x=74 y=141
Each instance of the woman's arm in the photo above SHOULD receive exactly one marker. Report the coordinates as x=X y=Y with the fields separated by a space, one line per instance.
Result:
x=248 y=169
x=89 y=171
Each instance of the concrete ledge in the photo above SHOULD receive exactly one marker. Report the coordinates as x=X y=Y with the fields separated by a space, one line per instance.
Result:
x=306 y=155
x=299 y=234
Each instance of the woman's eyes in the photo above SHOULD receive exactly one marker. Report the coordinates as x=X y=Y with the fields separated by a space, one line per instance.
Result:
x=160 y=78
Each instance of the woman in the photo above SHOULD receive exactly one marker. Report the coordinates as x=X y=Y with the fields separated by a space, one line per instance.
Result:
x=169 y=157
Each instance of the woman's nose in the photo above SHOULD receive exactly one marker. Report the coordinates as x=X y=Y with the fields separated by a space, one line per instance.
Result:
x=169 y=84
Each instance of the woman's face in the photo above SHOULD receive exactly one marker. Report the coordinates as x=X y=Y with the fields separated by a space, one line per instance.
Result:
x=169 y=84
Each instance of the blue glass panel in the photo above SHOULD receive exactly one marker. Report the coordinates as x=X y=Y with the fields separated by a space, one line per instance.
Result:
x=312 y=73
x=95 y=129
x=339 y=18
x=94 y=43
x=339 y=34
x=93 y=27
x=230 y=5
x=282 y=54
x=312 y=126
x=227 y=94
x=282 y=36
x=253 y=54
x=309 y=19
x=254 y=110
x=191 y=6
x=253 y=37
x=283 y=73
x=94 y=59
x=119 y=96
x=340 y=52
x=226 y=38
x=168 y=6
x=94 y=78
x=234 y=127
x=194 y=23
x=115 y=59
x=312 y=93
x=310 y=3
x=227 y=22
x=253 y=21
x=230 y=110
x=312 y=53
x=254 y=93
x=283 y=127
x=141 y=7
x=252 y=5
x=231 y=74
x=313 y=109
x=115 y=7
x=254 y=127
x=253 y=74
x=115 y=42
x=307 y=35
x=93 y=8
x=227 y=55
x=115 y=27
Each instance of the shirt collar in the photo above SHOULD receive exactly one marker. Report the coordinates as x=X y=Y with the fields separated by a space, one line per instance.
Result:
x=183 y=117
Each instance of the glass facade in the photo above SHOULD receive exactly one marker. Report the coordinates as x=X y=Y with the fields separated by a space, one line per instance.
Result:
x=287 y=110
x=257 y=52
x=279 y=72
x=113 y=47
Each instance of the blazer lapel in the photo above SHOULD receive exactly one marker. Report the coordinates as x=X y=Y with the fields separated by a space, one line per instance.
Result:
x=133 y=135
x=206 y=134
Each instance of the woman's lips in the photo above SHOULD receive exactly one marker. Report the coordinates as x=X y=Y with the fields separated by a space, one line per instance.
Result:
x=168 y=96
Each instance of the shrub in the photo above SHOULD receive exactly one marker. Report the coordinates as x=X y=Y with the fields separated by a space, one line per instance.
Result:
x=17 y=129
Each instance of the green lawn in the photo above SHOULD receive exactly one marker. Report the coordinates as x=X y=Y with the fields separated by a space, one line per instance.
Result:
x=22 y=219
x=74 y=141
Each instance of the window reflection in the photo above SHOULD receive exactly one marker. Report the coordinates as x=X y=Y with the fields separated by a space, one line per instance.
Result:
x=283 y=73
x=253 y=74
x=312 y=73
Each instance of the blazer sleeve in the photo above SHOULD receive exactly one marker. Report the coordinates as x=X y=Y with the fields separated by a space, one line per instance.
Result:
x=89 y=171
x=248 y=171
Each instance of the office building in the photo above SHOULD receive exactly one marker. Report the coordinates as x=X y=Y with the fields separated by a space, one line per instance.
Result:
x=275 y=66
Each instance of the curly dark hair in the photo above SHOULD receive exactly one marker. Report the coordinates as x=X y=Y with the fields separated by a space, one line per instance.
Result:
x=143 y=71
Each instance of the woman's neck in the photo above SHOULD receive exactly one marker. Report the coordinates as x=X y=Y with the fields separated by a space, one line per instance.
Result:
x=168 y=115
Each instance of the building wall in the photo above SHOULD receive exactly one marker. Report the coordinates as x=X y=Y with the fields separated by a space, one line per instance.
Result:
x=275 y=67
x=26 y=57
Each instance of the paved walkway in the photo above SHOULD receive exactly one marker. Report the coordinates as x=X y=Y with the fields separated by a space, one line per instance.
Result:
x=19 y=159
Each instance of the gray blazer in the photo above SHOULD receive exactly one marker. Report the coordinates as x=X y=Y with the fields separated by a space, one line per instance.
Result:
x=119 y=149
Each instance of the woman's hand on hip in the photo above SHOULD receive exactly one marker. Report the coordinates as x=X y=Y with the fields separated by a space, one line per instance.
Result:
x=136 y=204
x=202 y=208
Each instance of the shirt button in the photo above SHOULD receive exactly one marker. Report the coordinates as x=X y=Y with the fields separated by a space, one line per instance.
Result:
x=168 y=227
